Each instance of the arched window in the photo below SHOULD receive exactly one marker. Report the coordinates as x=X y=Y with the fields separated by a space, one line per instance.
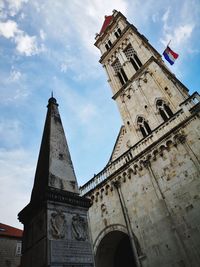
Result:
x=132 y=56
x=120 y=72
x=108 y=44
x=143 y=126
x=117 y=32
x=164 y=110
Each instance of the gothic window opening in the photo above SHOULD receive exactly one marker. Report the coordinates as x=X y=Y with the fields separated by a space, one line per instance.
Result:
x=120 y=72
x=143 y=126
x=108 y=45
x=164 y=110
x=118 y=33
x=132 y=57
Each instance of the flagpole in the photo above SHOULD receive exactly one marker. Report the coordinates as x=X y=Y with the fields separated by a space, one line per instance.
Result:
x=169 y=43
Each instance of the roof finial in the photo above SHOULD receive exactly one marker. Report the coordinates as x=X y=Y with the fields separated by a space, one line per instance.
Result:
x=52 y=99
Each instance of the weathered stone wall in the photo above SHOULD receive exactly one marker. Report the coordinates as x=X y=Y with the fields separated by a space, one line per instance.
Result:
x=8 y=252
x=155 y=183
x=161 y=192
x=139 y=99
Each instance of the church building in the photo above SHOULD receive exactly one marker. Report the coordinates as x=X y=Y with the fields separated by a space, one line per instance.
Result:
x=143 y=208
x=146 y=201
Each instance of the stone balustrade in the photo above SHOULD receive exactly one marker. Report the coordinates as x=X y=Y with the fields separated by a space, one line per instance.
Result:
x=139 y=147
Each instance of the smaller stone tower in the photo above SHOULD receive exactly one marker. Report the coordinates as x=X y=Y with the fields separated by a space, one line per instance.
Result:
x=55 y=221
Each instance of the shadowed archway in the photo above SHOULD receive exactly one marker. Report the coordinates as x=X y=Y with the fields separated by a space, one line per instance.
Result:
x=115 y=250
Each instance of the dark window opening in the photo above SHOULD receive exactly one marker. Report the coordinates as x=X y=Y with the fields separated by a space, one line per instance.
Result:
x=144 y=126
x=168 y=110
x=131 y=55
x=106 y=46
x=137 y=60
x=120 y=72
x=120 y=78
x=119 y=31
x=163 y=115
x=143 y=131
x=124 y=75
x=164 y=109
x=109 y=43
x=134 y=64
x=116 y=34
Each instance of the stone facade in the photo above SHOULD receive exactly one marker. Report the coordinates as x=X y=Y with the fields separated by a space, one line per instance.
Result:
x=10 y=246
x=149 y=190
x=8 y=252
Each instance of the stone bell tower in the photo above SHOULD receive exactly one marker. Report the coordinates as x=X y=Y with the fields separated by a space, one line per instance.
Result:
x=146 y=92
x=55 y=221
x=145 y=201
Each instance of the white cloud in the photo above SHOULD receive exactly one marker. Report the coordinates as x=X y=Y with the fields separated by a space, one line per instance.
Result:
x=63 y=67
x=8 y=29
x=178 y=29
x=155 y=17
x=3 y=15
x=179 y=35
x=182 y=33
x=166 y=16
x=10 y=132
x=14 y=6
x=15 y=75
x=26 y=44
x=14 y=86
x=87 y=113
x=17 y=170
x=42 y=35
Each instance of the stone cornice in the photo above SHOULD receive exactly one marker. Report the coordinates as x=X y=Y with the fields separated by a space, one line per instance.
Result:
x=55 y=195
x=173 y=131
x=140 y=72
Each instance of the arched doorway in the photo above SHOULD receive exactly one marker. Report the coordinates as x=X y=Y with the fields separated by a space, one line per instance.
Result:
x=115 y=250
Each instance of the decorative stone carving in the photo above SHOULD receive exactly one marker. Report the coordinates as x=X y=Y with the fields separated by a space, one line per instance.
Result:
x=57 y=225
x=103 y=210
x=146 y=163
x=79 y=228
x=181 y=138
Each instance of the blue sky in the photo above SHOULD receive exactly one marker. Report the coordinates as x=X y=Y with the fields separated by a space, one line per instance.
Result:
x=48 y=45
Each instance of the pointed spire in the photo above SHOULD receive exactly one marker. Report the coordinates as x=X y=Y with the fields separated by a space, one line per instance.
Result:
x=54 y=167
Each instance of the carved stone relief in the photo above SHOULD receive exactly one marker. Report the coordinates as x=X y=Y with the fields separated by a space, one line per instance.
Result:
x=57 y=225
x=79 y=228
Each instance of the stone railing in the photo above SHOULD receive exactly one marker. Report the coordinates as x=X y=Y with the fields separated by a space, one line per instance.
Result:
x=139 y=147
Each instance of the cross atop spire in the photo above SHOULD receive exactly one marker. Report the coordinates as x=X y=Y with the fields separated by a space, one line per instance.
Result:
x=54 y=167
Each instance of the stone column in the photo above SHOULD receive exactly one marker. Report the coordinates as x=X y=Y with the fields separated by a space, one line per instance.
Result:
x=117 y=185
x=113 y=79
x=181 y=138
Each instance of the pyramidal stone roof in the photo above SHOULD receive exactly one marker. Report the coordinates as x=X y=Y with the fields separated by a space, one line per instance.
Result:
x=107 y=21
x=54 y=168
